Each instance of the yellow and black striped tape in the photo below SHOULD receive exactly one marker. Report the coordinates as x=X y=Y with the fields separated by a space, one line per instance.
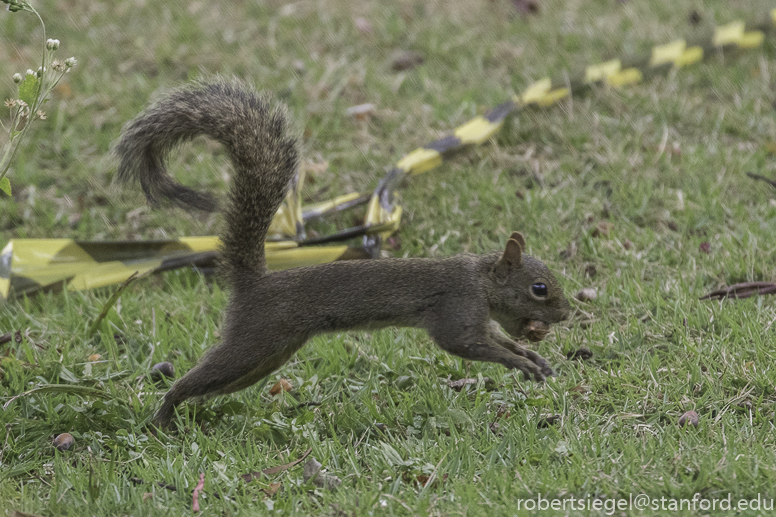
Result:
x=548 y=91
x=616 y=73
x=28 y=265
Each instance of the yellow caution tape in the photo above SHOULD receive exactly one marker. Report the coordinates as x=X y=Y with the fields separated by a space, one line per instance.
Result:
x=29 y=264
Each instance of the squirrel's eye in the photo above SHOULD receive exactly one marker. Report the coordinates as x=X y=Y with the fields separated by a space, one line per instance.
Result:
x=539 y=290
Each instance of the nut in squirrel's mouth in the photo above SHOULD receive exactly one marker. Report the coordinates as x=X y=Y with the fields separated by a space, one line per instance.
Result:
x=536 y=330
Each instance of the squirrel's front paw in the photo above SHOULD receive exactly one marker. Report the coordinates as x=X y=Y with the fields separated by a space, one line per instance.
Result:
x=530 y=369
x=541 y=362
x=544 y=365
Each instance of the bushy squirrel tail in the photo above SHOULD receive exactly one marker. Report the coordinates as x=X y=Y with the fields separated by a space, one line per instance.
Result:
x=264 y=158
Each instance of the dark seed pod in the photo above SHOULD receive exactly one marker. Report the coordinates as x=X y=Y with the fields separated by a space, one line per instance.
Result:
x=64 y=441
x=583 y=354
x=691 y=417
x=162 y=370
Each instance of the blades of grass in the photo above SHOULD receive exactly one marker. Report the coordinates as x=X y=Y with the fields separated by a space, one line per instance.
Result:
x=81 y=391
x=111 y=301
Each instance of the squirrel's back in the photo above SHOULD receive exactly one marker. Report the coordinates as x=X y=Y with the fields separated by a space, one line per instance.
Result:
x=264 y=158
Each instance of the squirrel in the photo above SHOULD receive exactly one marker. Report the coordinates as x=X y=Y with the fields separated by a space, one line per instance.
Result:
x=460 y=300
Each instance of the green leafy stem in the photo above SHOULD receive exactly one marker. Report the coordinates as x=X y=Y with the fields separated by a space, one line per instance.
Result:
x=34 y=88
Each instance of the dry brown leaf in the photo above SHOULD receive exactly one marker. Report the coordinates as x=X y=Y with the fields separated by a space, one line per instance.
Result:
x=526 y=7
x=275 y=470
x=272 y=489
x=281 y=385
x=461 y=383
x=423 y=479
x=406 y=59
x=362 y=111
x=312 y=472
x=195 y=494
x=603 y=229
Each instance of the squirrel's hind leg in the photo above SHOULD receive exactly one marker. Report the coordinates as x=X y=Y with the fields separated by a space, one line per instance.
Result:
x=218 y=373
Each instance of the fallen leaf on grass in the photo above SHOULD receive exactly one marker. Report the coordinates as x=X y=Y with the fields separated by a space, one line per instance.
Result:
x=312 y=473
x=742 y=290
x=195 y=494
x=705 y=247
x=274 y=470
x=602 y=229
x=461 y=383
x=526 y=7
x=281 y=385
x=362 y=111
x=578 y=391
x=405 y=60
x=272 y=489
x=424 y=480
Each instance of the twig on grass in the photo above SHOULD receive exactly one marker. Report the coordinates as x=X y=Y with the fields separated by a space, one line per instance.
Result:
x=761 y=178
x=742 y=290
x=274 y=470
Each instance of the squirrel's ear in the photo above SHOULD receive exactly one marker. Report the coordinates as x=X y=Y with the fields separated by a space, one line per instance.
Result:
x=511 y=259
x=519 y=238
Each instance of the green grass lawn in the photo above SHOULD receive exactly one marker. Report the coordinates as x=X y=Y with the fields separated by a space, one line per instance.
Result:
x=663 y=162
